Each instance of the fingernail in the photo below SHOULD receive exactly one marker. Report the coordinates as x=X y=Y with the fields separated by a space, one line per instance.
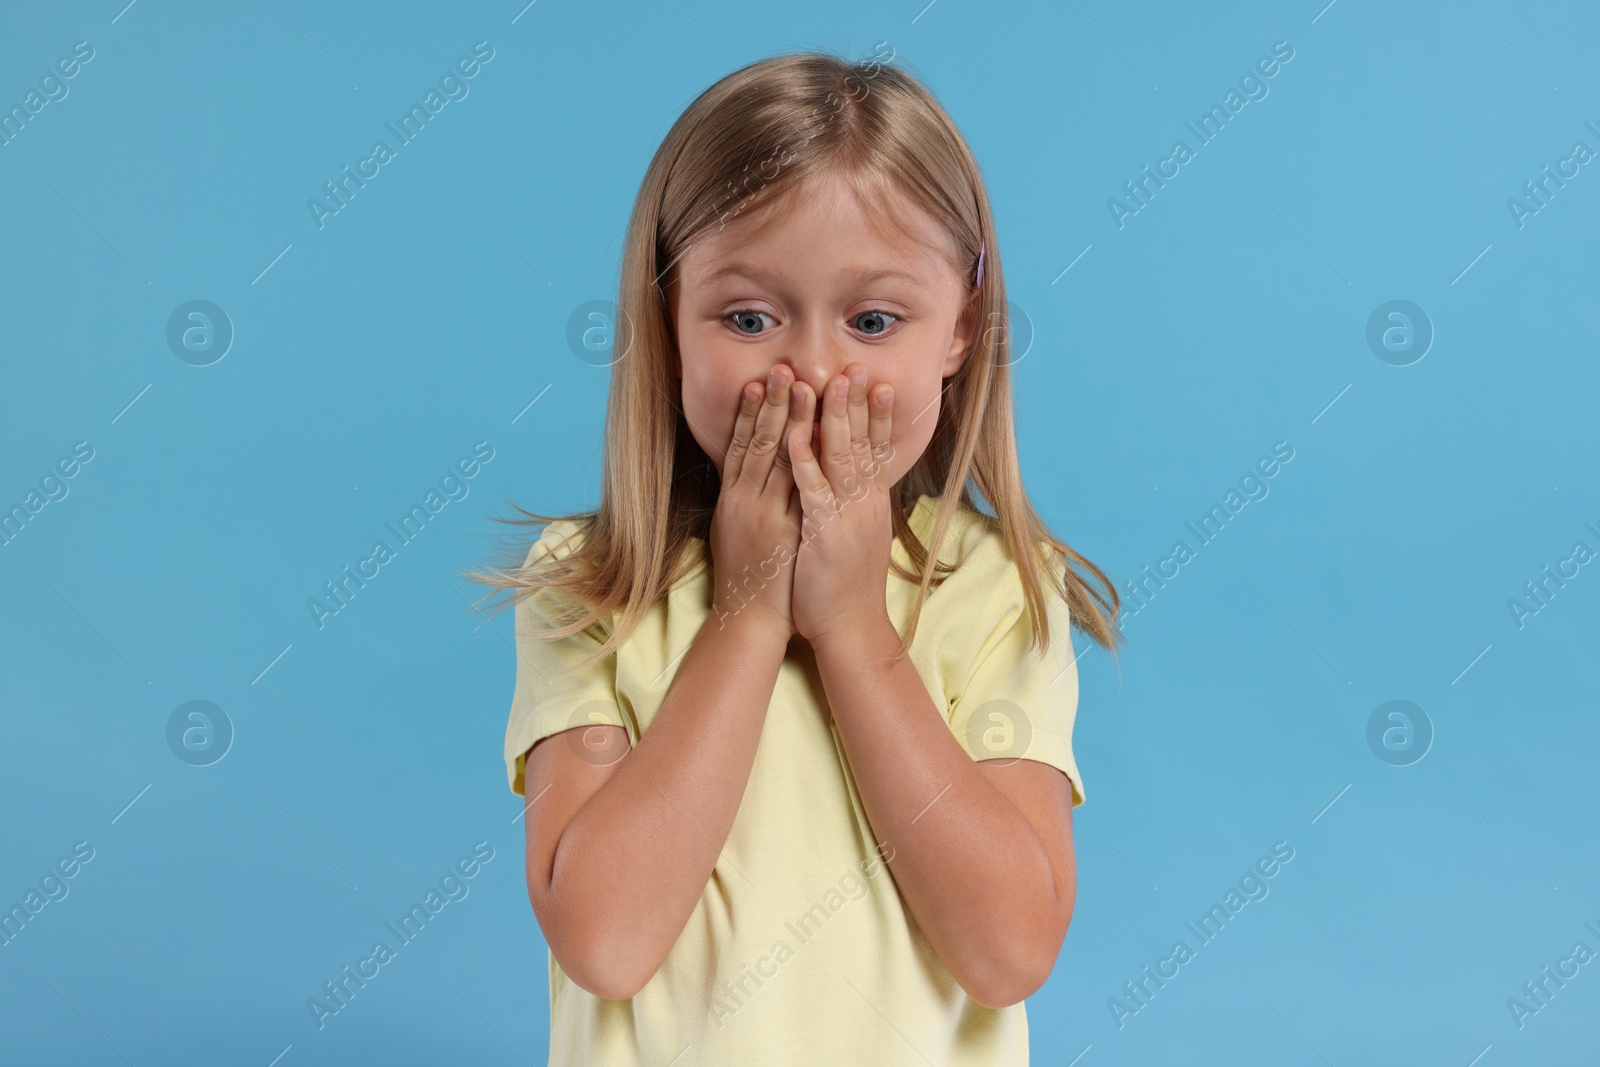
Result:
x=841 y=390
x=773 y=378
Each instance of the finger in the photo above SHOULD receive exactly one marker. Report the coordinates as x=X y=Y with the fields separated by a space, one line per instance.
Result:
x=861 y=463
x=879 y=426
x=749 y=404
x=838 y=459
x=816 y=494
x=781 y=480
x=767 y=437
x=857 y=414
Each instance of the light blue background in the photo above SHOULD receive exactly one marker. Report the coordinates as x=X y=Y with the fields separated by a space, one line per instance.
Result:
x=1227 y=315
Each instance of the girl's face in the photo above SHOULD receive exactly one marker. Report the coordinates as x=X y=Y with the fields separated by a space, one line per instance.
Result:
x=813 y=282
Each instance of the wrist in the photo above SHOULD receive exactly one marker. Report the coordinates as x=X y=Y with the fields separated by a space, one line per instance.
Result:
x=855 y=635
x=758 y=627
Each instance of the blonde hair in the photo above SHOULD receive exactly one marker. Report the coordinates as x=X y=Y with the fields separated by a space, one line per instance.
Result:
x=754 y=136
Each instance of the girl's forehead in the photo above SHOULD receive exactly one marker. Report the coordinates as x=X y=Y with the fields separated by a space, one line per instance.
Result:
x=894 y=223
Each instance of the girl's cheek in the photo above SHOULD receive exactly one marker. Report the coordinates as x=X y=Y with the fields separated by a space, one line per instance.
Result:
x=912 y=421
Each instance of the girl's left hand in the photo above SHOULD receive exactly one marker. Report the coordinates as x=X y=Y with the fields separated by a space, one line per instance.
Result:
x=841 y=571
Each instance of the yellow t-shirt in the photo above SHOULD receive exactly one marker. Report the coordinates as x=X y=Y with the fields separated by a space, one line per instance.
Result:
x=801 y=950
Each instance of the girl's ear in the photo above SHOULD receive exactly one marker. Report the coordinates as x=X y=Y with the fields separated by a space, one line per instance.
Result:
x=961 y=341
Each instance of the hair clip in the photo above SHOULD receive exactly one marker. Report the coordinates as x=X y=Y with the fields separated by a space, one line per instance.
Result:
x=981 y=245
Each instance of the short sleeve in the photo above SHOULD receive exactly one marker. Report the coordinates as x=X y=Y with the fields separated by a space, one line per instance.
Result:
x=552 y=693
x=1017 y=702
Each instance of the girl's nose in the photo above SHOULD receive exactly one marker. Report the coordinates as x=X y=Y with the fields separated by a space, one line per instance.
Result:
x=816 y=357
x=819 y=381
x=819 y=375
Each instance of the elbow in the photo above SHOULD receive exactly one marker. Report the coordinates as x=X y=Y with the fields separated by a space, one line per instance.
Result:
x=594 y=952
x=598 y=968
x=607 y=983
x=1011 y=980
x=618 y=975
x=594 y=955
x=1006 y=986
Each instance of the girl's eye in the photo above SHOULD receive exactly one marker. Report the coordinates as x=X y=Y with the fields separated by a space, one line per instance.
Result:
x=748 y=321
x=875 y=325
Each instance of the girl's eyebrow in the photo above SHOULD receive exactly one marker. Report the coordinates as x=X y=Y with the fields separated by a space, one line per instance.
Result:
x=859 y=275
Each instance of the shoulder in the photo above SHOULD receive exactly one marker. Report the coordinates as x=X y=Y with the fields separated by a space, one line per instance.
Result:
x=986 y=560
x=554 y=604
x=987 y=595
x=559 y=539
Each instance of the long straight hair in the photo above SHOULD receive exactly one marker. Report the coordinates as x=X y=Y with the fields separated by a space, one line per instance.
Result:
x=753 y=137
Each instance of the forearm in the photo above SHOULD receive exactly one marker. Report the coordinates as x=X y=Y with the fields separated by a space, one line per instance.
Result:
x=636 y=858
x=970 y=866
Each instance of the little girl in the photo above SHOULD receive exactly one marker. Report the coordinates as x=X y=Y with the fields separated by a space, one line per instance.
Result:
x=771 y=818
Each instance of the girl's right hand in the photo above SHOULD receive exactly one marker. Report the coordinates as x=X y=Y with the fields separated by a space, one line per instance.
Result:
x=755 y=530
